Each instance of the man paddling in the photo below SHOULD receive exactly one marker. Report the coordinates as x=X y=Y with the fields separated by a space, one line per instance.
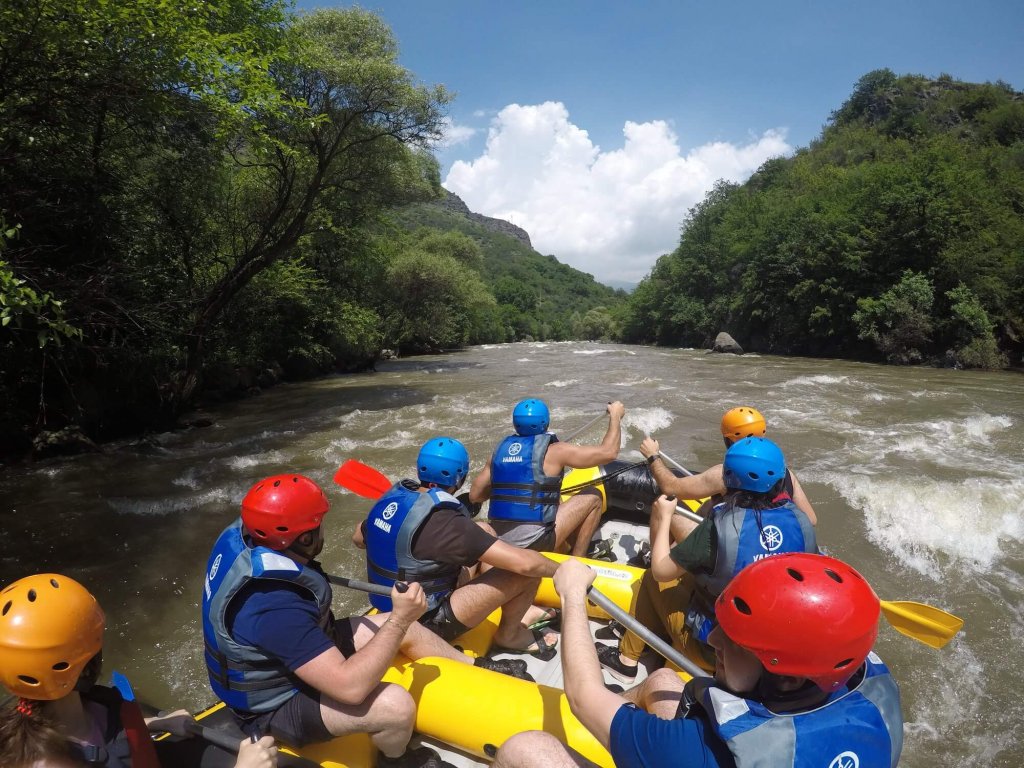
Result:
x=737 y=423
x=795 y=682
x=756 y=520
x=275 y=653
x=524 y=477
x=419 y=531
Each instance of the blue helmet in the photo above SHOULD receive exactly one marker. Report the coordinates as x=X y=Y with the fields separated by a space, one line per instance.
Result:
x=530 y=417
x=754 y=464
x=443 y=461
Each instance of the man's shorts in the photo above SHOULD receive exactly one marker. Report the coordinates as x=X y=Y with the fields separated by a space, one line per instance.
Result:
x=442 y=622
x=298 y=722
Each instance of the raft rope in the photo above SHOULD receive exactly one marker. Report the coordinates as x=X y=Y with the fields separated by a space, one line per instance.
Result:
x=601 y=478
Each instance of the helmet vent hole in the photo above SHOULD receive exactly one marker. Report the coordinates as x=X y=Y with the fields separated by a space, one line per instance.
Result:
x=7 y=607
x=31 y=595
x=28 y=680
x=60 y=666
x=54 y=584
x=282 y=529
x=796 y=575
x=277 y=483
x=844 y=663
x=753 y=475
x=742 y=606
x=834 y=576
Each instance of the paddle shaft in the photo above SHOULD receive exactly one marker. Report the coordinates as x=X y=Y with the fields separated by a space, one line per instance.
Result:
x=584 y=428
x=365 y=586
x=630 y=623
x=230 y=744
x=675 y=464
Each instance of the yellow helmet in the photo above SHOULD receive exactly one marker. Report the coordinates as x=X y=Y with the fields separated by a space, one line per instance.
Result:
x=50 y=627
x=742 y=422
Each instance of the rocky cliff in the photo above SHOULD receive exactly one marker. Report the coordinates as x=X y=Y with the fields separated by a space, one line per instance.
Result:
x=453 y=203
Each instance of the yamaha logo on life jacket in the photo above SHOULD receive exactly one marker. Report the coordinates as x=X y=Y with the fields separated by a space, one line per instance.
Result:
x=771 y=537
x=389 y=510
x=845 y=760
x=513 y=457
x=215 y=567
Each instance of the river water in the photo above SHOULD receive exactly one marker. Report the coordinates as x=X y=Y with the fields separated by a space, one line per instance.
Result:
x=917 y=476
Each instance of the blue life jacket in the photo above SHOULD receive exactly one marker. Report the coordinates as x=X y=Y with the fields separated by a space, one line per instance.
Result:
x=860 y=726
x=243 y=676
x=743 y=537
x=520 y=491
x=390 y=529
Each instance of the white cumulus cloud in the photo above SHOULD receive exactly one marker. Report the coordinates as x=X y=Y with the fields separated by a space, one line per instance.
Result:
x=609 y=213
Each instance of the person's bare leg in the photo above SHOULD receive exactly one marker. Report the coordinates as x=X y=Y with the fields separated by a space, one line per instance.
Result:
x=658 y=694
x=387 y=714
x=580 y=514
x=418 y=642
x=537 y=749
x=514 y=593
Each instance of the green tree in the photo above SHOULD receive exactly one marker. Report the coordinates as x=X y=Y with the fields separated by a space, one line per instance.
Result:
x=899 y=321
x=974 y=345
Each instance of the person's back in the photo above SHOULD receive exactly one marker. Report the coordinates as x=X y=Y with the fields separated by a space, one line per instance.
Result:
x=803 y=691
x=523 y=482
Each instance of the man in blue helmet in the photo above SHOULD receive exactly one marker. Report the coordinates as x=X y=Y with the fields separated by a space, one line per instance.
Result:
x=757 y=519
x=524 y=476
x=419 y=532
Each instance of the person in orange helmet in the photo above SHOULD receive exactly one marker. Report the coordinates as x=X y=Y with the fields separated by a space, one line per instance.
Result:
x=664 y=597
x=51 y=641
x=737 y=424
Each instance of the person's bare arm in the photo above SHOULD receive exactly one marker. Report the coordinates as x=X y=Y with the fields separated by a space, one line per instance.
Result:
x=562 y=455
x=663 y=567
x=801 y=500
x=518 y=560
x=699 y=486
x=349 y=681
x=358 y=537
x=480 y=489
x=590 y=701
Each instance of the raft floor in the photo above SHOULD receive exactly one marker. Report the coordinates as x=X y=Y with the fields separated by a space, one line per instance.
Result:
x=626 y=540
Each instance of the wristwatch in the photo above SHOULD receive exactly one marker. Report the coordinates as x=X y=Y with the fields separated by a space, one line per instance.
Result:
x=652 y=457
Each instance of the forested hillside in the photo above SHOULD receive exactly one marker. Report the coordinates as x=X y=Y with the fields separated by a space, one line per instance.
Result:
x=898 y=235
x=199 y=200
x=538 y=296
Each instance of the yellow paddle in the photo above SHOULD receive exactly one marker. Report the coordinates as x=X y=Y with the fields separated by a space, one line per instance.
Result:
x=925 y=623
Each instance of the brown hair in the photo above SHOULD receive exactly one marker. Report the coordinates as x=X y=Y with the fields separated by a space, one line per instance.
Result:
x=29 y=734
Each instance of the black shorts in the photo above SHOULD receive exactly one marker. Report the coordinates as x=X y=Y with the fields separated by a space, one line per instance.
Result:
x=298 y=722
x=442 y=622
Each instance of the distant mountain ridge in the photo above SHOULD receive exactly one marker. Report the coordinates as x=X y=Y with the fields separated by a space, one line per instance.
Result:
x=455 y=204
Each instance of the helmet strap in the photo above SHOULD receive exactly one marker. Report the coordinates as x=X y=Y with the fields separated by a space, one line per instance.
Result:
x=784 y=693
x=90 y=673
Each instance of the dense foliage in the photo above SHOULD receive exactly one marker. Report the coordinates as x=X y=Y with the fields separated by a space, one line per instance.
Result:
x=197 y=199
x=537 y=296
x=899 y=234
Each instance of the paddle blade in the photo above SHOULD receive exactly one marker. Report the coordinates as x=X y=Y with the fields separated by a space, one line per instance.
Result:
x=925 y=623
x=362 y=480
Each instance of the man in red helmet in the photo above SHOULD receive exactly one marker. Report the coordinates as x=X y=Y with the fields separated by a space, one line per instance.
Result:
x=795 y=680
x=275 y=653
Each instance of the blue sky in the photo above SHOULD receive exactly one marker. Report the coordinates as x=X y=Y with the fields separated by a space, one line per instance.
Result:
x=596 y=125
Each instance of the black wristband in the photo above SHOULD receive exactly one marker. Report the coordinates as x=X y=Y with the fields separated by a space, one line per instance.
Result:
x=652 y=457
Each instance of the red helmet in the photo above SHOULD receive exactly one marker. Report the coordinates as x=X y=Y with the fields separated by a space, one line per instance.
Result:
x=802 y=615
x=278 y=510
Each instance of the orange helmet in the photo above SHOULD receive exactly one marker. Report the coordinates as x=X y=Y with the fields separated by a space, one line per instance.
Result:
x=741 y=422
x=50 y=627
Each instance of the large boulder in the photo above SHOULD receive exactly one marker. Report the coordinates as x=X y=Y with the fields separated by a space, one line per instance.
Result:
x=726 y=343
x=63 y=442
